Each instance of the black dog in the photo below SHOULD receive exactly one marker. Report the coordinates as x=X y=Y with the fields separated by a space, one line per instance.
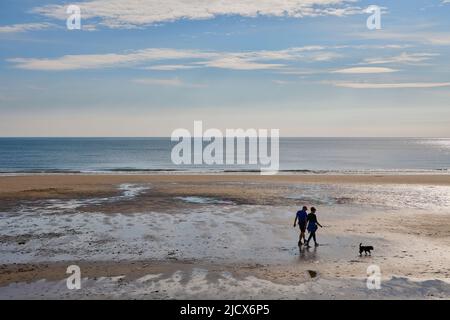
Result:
x=365 y=249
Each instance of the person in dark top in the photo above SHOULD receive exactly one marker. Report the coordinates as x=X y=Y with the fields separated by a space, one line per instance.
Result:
x=301 y=218
x=312 y=226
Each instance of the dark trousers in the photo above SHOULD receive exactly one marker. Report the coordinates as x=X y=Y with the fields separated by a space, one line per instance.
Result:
x=312 y=235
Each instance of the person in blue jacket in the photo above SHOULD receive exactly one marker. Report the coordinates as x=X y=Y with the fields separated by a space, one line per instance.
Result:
x=301 y=218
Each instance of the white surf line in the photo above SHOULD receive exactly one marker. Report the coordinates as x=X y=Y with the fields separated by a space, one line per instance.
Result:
x=149 y=277
x=204 y=200
x=128 y=190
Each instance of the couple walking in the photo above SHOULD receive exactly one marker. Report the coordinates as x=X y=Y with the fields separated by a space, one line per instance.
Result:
x=307 y=222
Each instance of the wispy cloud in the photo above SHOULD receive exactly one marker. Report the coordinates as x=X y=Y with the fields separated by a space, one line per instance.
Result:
x=282 y=82
x=364 y=70
x=24 y=27
x=173 y=82
x=170 y=67
x=408 y=85
x=138 y=13
x=237 y=63
x=437 y=38
x=325 y=56
x=440 y=39
x=95 y=61
x=405 y=58
x=89 y=27
x=299 y=72
x=248 y=60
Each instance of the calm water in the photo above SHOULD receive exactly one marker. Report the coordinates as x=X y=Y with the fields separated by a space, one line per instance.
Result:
x=141 y=154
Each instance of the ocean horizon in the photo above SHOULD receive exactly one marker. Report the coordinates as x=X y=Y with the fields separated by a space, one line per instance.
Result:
x=153 y=154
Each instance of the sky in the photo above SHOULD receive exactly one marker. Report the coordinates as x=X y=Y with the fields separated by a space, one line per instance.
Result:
x=146 y=68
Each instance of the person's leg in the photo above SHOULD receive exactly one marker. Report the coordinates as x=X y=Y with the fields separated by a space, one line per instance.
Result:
x=303 y=231
x=314 y=237
x=309 y=238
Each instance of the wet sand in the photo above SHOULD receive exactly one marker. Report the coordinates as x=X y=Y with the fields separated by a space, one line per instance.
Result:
x=184 y=236
x=60 y=183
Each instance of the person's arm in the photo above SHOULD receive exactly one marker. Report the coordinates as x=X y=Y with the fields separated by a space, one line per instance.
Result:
x=318 y=224
x=295 y=221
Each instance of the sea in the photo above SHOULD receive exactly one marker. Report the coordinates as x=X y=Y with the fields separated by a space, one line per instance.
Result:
x=152 y=155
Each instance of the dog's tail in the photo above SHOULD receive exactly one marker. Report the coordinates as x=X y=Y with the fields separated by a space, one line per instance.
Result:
x=360 y=245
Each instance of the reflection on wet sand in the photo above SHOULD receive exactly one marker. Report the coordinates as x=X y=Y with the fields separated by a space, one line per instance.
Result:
x=308 y=253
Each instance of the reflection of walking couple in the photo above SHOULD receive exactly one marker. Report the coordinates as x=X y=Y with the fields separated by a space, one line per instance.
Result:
x=307 y=222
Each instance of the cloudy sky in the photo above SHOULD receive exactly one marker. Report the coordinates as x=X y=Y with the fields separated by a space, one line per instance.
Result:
x=147 y=67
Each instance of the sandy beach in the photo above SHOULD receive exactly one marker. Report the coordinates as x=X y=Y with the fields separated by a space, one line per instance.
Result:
x=223 y=236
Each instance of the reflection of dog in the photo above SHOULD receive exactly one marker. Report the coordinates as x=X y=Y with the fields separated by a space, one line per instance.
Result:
x=365 y=249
